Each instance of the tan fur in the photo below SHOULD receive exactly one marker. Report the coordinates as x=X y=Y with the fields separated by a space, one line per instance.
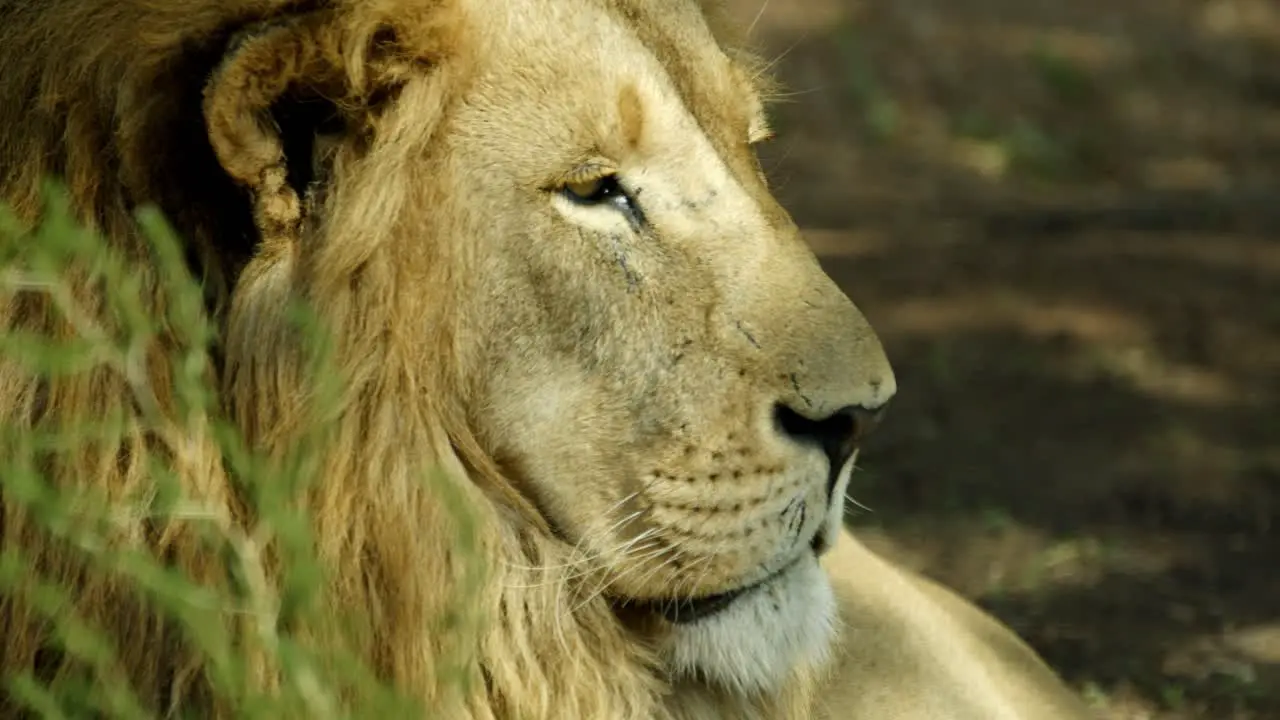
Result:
x=600 y=388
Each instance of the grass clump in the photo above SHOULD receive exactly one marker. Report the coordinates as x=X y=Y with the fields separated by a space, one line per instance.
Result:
x=263 y=644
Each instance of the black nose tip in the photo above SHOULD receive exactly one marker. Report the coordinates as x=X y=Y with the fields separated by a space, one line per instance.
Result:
x=837 y=434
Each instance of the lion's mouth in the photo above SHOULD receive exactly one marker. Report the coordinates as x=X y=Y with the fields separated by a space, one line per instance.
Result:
x=683 y=611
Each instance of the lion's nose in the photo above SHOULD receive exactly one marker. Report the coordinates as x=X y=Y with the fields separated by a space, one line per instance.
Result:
x=837 y=434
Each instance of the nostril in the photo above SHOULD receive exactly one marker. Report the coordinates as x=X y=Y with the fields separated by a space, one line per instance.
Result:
x=837 y=434
x=830 y=433
x=864 y=419
x=844 y=427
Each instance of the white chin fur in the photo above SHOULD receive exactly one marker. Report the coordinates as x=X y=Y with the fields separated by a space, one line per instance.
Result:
x=757 y=642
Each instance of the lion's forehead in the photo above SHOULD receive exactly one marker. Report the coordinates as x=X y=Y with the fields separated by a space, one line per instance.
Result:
x=559 y=39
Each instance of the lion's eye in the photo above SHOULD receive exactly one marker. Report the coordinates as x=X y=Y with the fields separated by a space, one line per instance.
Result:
x=604 y=191
x=595 y=191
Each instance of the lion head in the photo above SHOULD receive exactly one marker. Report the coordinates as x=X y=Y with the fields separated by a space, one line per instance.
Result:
x=541 y=238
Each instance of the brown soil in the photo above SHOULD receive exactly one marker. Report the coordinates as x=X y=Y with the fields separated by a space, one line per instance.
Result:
x=1064 y=220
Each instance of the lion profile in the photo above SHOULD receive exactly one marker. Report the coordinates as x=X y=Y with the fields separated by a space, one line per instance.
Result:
x=553 y=275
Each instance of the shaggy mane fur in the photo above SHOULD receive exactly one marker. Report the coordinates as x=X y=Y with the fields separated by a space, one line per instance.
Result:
x=109 y=95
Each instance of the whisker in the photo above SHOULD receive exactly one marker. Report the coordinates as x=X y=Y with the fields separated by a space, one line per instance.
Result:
x=571 y=580
x=675 y=555
x=850 y=500
x=606 y=582
x=572 y=570
x=779 y=161
x=623 y=553
x=639 y=555
x=759 y=14
x=705 y=565
x=768 y=66
x=581 y=540
x=782 y=97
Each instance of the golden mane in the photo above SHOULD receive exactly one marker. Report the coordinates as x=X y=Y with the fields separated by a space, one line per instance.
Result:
x=107 y=95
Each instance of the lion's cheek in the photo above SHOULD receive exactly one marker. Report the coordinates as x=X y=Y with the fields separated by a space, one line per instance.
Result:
x=558 y=444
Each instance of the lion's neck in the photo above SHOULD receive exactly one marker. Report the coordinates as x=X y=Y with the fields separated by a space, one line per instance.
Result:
x=698 y=701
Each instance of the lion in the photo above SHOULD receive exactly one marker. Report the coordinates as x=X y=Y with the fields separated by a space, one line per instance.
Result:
x=553 y=273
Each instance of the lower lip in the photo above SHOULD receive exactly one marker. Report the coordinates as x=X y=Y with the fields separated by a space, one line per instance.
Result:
x=689 y=610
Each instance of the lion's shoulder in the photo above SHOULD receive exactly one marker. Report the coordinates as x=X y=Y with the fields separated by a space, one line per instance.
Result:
x=927 y=651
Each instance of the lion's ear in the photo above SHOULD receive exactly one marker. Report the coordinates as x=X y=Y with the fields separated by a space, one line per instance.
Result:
x=282 y=99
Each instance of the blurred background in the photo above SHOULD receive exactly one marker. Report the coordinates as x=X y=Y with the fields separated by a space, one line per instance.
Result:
x=1063 y=218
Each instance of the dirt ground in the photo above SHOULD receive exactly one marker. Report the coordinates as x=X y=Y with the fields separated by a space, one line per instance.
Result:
x=1064 y=220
